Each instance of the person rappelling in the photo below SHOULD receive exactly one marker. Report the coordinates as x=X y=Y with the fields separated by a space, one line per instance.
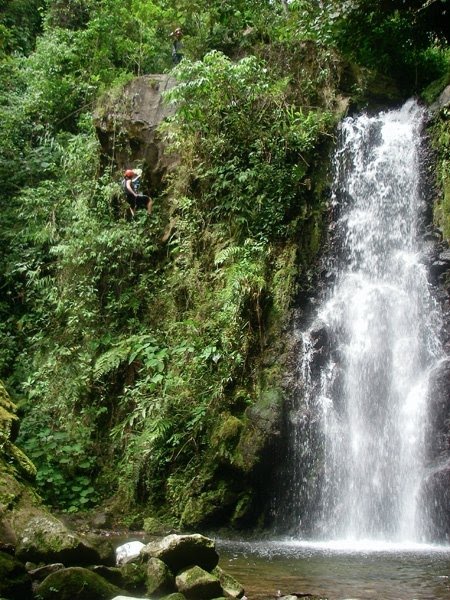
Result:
x=130 y=184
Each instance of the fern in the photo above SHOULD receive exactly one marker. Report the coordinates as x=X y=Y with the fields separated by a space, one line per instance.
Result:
x=128 y=350
x=110 y=361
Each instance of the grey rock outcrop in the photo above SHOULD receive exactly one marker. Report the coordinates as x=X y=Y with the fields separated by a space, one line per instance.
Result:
x=442 y=102
x=127 y=121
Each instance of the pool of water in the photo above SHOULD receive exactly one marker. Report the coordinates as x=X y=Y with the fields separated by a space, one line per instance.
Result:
x=338 y=571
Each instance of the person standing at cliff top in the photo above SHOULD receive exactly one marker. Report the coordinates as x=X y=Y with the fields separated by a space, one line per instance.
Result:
x=177 y=45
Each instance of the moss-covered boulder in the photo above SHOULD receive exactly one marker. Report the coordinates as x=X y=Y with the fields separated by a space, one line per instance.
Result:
x=133 y=577
x=46 y=539
x=197 y=584
x=76 y=583
x=209 y=504
x=231 y=587
x=160 y=579
x=15 y=583
x=180 y=551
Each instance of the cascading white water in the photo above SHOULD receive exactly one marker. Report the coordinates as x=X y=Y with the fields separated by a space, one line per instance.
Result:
x=382 y=325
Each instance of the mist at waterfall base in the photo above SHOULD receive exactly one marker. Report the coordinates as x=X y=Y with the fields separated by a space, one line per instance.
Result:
x=350 y=497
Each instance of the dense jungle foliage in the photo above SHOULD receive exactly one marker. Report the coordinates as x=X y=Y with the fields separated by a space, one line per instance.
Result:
x=143 y=365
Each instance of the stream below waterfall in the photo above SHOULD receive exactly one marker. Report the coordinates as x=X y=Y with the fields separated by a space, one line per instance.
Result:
x=338 y=573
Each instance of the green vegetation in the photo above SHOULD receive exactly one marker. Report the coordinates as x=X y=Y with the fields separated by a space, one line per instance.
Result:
x=441 y=135
x=149 y=369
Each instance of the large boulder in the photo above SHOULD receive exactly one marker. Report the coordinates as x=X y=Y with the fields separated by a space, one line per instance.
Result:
x=136 y=111
x=197 y=584
x=76 y=583
x=231 y=587
x=160 y=580
x=46 y=539
x=180 y=551
x=15 y=583
x=133 y=577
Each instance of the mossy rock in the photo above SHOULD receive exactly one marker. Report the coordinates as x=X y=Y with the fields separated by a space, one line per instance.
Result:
x=230 y=585
x=46 y=539
x=76 y=583
x=5 y=400
x=208 y=505
x=133 y=576
x=197 y=584
x=226 y=437
x=160 y=580
x=15 y=583
x=104 y=547
x=262 y=420
x=242 y=509
x=111 y=574
x=20 y=463
x=9 y=423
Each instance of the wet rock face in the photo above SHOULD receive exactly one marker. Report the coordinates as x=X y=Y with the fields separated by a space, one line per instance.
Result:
x=127 y=122
x=437 y=486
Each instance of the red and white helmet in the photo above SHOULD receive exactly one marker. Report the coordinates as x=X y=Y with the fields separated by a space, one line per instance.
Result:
x=129 y=173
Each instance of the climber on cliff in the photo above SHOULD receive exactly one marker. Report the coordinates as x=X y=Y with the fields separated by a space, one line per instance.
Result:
x=177 y=45
x=130 y=184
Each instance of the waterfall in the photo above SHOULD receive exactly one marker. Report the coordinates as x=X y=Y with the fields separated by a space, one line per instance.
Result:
x=359 y=427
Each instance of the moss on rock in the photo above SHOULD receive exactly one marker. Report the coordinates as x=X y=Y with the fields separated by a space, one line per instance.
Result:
x=133 y=576
x=46 y=539
x=197 y=584
x=76 y=583
x=159 y=579
x=226 y=436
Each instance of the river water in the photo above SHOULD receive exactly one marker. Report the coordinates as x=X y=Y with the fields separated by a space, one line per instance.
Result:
x=337 y=571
